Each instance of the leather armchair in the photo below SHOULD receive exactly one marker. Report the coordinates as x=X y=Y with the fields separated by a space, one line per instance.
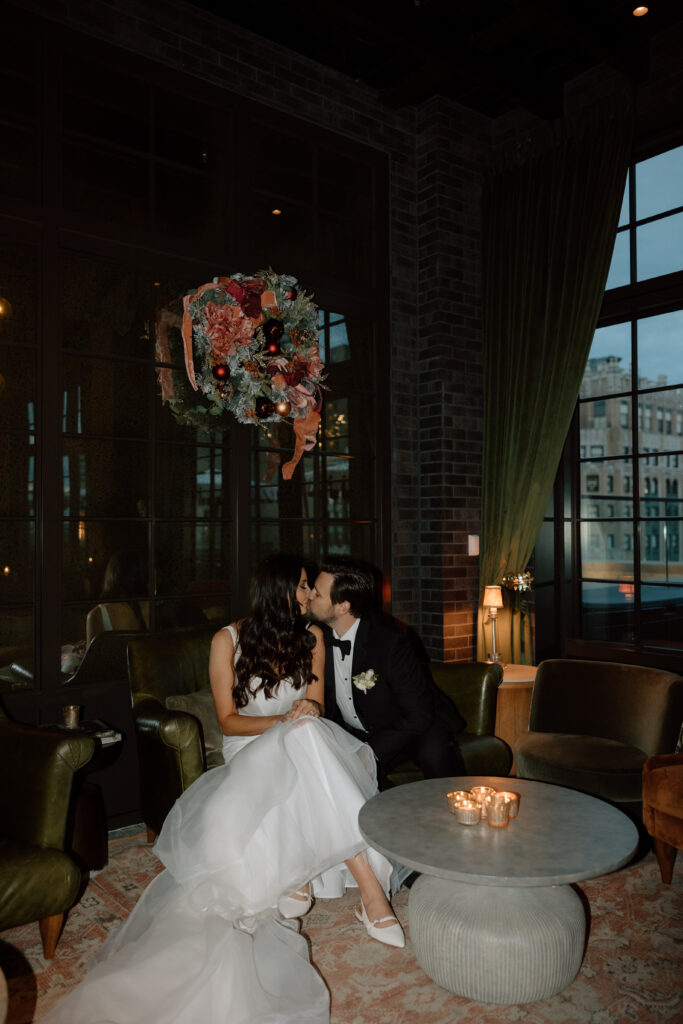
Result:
x=104 y=659
x=170 y=742
x=473 y=688
x=39 y=880
x=593 y=724
x=663 y=808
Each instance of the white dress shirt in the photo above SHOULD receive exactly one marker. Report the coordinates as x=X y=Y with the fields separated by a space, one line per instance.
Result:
x=342 y=679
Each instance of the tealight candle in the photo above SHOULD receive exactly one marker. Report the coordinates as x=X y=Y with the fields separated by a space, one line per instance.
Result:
x=497 y=811
x=513 y=800
x=467 y=812
x=479 y=793
x=455 y=796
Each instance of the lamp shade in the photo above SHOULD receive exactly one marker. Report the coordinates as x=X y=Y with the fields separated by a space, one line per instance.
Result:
x=493 y=597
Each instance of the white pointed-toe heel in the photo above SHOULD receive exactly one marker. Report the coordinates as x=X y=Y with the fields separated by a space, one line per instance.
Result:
x=296 y=905
x=392 y=935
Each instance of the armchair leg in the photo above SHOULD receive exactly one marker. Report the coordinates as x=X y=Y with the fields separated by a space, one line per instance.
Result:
x=50 y=930
x=666 y=855
x=151 y=835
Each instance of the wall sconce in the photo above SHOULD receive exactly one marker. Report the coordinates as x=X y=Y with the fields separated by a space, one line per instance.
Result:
x=493 y=600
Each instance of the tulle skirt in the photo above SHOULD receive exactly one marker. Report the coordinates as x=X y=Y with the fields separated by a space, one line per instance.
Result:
x=206 y=942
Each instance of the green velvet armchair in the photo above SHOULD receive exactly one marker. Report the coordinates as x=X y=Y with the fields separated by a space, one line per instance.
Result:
x=593 y=724
x=39 y=881
x=473 y=687
x=171 y=741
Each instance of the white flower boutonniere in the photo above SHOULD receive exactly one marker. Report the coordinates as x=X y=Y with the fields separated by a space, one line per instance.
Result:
x=365 y=680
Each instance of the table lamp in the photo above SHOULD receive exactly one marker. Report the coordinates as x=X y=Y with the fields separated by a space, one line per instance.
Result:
x=493 y=600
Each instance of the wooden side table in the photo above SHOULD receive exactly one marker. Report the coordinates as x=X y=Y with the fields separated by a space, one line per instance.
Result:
x=514 y=704
x=4 y=998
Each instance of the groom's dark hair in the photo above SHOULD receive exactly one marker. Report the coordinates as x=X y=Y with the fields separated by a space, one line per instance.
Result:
x=354 y=582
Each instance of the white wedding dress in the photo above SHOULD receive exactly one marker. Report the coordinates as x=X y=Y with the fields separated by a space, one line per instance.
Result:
x=206 y=942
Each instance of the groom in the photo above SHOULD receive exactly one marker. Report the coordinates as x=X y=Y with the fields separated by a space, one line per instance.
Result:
x=374 y=685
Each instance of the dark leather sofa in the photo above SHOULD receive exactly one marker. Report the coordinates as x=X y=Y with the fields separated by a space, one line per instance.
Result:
x=39 y=880
x=473 y=688
x=177 y=744
x=171 y=748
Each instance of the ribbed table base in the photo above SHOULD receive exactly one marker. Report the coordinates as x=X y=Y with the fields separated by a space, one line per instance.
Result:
x=495 y=944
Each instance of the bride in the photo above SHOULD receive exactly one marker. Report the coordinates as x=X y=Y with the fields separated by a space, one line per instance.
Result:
x=248 y=845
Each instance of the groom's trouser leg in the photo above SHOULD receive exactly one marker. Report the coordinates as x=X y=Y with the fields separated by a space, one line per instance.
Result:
x=437 y=754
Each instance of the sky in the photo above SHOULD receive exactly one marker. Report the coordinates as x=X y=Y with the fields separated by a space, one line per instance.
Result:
x=660 y=345
x=658 y=190
x=659 y=246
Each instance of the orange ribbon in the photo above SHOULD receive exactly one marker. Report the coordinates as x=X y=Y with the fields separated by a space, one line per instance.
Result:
x=165 y=374
x=186 y=331
x=305 y=428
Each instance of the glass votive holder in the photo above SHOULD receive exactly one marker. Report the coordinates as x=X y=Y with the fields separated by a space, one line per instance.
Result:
x=455 y=796
x=71 y=716
x=497 y=811
x=467 y=812
x=479 y=793
x=513 y=800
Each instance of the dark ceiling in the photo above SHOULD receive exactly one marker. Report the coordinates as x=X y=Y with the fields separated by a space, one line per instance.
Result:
x=490 y=55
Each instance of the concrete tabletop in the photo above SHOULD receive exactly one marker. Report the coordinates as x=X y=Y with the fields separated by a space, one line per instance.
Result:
x=559 y=836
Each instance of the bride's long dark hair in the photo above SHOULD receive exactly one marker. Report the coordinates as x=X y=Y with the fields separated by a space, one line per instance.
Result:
x=274 y=642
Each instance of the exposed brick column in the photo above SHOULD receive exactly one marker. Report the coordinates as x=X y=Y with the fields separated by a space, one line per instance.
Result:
x=451 y=143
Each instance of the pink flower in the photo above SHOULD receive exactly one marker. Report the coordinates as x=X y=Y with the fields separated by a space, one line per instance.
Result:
x=226 y=327
x=300 y=397
x=315 y=365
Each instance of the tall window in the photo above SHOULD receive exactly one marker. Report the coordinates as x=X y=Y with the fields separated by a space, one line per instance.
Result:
x=145 y=184
x=627 y=510
x=327 y=507
x=629 y=550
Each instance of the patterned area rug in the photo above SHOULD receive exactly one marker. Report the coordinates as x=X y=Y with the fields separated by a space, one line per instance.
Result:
x=632 y=972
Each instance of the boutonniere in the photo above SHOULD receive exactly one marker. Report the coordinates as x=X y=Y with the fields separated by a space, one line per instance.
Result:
x=365 y=680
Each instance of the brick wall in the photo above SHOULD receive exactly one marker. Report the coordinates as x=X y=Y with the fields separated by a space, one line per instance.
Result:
x=450 y=148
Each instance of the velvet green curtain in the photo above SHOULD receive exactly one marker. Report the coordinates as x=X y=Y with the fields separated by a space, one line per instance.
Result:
x=550 y=213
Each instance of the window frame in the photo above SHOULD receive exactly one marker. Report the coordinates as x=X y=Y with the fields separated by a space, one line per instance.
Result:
x=628 y=303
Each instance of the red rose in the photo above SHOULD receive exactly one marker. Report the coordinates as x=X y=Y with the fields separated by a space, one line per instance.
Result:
x=294 y=377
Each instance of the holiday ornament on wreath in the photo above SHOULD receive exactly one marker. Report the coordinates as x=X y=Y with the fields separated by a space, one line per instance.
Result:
x=249 y=346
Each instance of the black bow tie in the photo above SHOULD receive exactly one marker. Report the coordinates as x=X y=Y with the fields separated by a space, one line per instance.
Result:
x=343 y=645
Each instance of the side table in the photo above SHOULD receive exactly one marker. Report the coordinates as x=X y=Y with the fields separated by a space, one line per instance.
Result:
x=4 y=998
x=494 y=915
x=514 y=704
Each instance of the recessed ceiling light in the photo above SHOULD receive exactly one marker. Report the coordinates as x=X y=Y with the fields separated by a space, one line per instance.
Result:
x=638 y=12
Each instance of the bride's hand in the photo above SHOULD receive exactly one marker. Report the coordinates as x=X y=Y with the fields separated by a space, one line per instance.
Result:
x=301 y=708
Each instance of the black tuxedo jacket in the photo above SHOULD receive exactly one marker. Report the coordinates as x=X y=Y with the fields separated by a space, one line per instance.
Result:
x=402 y=704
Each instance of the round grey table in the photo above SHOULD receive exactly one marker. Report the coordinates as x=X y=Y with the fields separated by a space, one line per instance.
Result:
x=493 y=916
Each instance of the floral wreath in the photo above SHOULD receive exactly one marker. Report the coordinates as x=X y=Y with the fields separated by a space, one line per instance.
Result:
x=250 y=346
